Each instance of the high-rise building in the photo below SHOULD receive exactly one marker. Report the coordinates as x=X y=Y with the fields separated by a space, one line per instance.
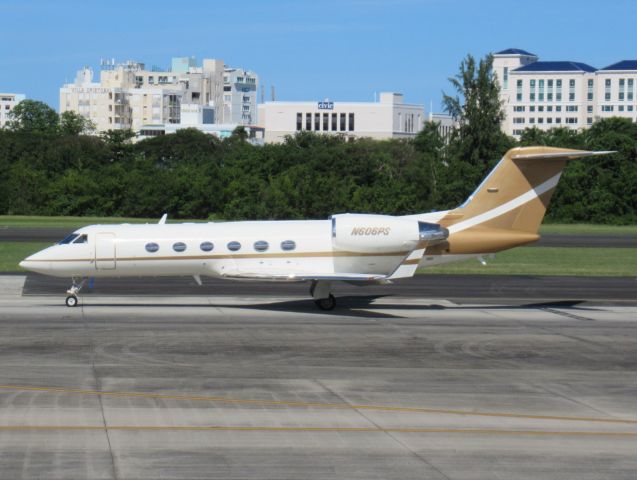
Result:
x=8 y=101
x=129 y=95
x=548 y=94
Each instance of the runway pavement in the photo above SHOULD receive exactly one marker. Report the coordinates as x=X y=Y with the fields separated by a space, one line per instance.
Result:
x=464 y=288
x=267 y=387
x=52 y=235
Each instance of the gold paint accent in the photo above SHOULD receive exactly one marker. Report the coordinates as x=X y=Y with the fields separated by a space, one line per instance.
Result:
x=512 y=178
x=239 y=256
x=344 y=406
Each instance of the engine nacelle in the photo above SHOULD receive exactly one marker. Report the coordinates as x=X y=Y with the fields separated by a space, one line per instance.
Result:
x=374 y=233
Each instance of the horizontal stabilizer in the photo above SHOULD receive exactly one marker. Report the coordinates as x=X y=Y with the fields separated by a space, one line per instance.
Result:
x=569 y=155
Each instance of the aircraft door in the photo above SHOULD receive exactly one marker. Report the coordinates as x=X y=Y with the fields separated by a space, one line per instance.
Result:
x=105 y=251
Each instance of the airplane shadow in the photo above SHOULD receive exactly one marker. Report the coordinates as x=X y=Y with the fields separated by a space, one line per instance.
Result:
x=363 y=306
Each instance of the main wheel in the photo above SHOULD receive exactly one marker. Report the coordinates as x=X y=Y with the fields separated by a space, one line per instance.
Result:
x=326 y=303
x=71 y=301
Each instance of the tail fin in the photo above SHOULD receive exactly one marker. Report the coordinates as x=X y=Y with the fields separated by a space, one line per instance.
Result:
x=507 y=208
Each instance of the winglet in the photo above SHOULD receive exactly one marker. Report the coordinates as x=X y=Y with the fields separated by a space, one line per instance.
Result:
x=163 y=218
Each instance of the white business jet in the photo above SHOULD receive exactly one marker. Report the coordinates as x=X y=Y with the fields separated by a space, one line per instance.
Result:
x=505 y=211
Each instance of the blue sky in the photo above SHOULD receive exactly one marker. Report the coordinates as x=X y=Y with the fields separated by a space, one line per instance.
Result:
x=309 y=50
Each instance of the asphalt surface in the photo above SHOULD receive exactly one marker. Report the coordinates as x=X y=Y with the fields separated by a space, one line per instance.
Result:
x=474 y=288
x=265 y=387
x=52 y=235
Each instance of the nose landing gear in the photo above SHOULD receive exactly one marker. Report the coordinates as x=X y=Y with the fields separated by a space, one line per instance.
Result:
x=323 y=299
x=71 y=293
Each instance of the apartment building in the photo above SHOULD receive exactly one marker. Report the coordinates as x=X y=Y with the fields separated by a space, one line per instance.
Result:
x=549 y=94
x=130 y=96
x=387 y=118
x=8 y=101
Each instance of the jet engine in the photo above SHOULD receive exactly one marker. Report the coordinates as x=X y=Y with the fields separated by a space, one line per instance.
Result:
x=382 y=233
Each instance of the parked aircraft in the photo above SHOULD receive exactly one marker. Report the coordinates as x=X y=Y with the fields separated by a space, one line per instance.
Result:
x=505 y=211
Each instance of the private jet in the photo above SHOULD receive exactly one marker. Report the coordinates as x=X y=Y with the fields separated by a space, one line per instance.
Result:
x=505 y=211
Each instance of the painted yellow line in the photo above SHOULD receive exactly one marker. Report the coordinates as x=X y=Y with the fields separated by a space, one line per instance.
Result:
x=236 y=428
x=344 y=406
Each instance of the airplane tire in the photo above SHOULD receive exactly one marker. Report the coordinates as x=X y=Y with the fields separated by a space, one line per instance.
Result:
x=71 y=301
x=326 y=303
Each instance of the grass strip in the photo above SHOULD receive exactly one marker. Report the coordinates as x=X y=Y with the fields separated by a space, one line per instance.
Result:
x=578 y=261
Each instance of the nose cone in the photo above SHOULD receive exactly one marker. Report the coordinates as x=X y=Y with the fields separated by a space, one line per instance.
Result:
x=36 y=263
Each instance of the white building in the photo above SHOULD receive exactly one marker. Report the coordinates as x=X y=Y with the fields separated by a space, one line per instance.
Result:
x=548 y=94
x=200 y=117
x=130 y=96
x=7 y=102
x=387 y=118
x=240 y=96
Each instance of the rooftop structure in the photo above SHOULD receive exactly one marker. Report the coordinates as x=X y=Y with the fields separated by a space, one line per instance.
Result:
x=548 y=94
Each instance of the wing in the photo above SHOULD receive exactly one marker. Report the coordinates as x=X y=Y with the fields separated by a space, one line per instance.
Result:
x=303 y=276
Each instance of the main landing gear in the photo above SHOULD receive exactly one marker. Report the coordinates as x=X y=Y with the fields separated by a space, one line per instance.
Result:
x=320 y=291
x=71 y=293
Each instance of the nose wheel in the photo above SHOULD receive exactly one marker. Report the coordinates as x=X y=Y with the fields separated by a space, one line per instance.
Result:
x=71 y=293
x=71 y=301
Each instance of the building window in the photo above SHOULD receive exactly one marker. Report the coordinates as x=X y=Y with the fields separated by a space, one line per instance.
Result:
x=299 y=121
x=541 y=91
x=629 y=108
x=549 y=108
x=629 y=94
x=334 y=125
x=589 y=109
x=558 y=120
x=342 y=122
x=620 y=108
x=571 y=120
x=549 y=120
x=261 y=246
x=589 y=95
x=519 y=108
x=326 y=122
x=179 y=247
x=317 y=122
x=519 y=90
x=206 y=246
x=308 y=121
x=540 y=120
x=607 y=108
x=532 y=120
x=558 y=108
x=350 y=126
x=288 y=245
x=540 y=108
x=518 y=119
x=589 y=120
x=234 y=246
x=571 y=108
x=532 y=108
x=152 y=247
x=505 y=78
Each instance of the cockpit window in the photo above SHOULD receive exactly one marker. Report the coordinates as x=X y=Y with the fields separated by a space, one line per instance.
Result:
x=68 y=239
x=81 y=239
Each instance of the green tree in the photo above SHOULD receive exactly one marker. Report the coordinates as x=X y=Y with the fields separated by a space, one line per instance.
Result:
x=478 y=142
x=72 y=123
x=33 y=116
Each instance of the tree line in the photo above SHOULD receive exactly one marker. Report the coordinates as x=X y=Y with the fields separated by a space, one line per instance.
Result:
x=57 y=165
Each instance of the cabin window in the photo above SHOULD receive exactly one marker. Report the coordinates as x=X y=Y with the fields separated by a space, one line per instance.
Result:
x=206 y=246
x=81 y=239
x=179 y=247
x=68 y=239
x=261 y=246
x=152 y=247
x=288 y=245
x=234 y=246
